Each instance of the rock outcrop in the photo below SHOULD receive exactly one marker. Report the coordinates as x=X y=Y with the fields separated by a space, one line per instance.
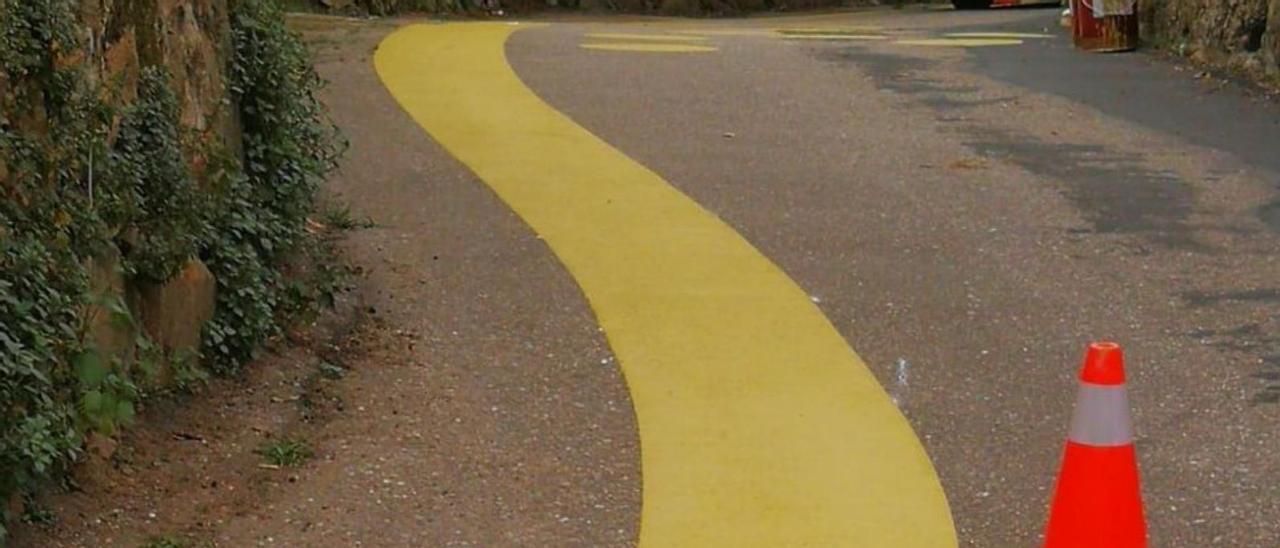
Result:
x=191 y=39
x=174 y=313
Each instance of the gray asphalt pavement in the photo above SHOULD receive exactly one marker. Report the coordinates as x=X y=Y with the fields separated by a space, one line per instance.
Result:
x=979 y=215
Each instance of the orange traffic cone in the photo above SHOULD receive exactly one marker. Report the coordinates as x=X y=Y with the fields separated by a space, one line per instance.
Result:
x=1097 y=502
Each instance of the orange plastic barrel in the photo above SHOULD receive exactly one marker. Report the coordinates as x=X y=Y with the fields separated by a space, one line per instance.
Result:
x=1105 y=25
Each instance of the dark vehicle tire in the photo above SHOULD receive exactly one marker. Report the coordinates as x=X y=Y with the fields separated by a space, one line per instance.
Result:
x=971 y=4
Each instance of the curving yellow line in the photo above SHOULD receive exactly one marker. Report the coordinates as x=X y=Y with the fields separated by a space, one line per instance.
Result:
x=1014 y=35
x=645 y=37
x=650 y=47
x=960 y=42
x=758 y=424
x=835 y=37
x=861 y=29
x=724 y=32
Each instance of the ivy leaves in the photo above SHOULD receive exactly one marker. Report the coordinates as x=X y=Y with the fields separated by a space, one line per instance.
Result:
x=290 y=145
x=106 y=397
x=34 y=32
x=156 y=197
x=68 y=192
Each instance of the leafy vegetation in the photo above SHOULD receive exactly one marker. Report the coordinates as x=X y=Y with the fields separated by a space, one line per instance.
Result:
x=339 y=216
x=81 y=179
x=36 y=514
x=289 y=146
x=287 y=452
x=158 y=202
x=46 y=226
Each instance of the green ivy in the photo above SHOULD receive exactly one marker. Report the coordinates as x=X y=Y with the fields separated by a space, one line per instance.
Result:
x=33 y=33
x=248 y=289
x=46 y=226
x=290 y=145
x=106 y=393
x=69 y=193
x=163 y=211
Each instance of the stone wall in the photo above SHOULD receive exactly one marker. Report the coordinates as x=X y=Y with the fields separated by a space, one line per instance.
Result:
x=128 y=230
x=1244 y=34
x=191 y=39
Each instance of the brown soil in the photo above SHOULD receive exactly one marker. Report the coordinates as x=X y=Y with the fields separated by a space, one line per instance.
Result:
x=190 y=466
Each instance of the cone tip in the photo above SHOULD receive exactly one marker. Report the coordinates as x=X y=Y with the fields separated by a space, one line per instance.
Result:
x=1103 y=364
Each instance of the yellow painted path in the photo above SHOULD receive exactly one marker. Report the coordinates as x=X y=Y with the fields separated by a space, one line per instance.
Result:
x=960 y=42
x=758 y=424
x=646 y=37
x=649 y=47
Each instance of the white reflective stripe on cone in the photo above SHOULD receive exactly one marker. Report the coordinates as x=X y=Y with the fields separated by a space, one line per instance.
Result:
x=1102 y=416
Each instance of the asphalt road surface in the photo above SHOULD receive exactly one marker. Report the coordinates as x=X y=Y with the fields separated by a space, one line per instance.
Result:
x=966 y=200
x=969 y=217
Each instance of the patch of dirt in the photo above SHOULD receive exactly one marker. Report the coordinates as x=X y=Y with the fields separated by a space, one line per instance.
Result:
x=191 y=465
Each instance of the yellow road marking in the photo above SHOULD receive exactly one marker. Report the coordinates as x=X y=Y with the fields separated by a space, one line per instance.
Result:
x=758 y=424
x=960 y=42
x=830 y=30
x=651 y=48
x=643 y=37
x=834 y=37
x=999 y=35
x=724 y=32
